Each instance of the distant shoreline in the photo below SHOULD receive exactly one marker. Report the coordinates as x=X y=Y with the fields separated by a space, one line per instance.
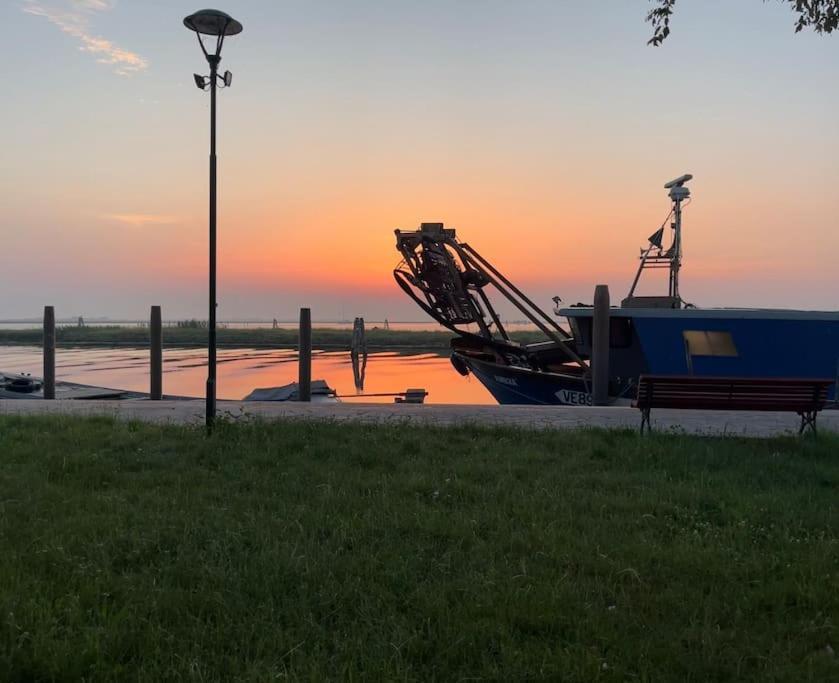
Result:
x=322 y=338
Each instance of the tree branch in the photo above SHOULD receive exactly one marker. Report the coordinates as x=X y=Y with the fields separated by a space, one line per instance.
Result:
x=822 y=16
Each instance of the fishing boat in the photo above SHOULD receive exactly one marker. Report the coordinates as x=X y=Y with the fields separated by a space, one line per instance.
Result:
x=451 y=282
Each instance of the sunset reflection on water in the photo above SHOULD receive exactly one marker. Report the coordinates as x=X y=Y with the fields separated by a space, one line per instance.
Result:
x=242 y=370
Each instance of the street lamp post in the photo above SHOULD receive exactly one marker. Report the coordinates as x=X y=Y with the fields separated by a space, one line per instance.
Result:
x=211 y=22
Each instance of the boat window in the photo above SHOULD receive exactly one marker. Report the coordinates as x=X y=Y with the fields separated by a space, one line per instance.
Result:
x=709 y=343
x=620 y=333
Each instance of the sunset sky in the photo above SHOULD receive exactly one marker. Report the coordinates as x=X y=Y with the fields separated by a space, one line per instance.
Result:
x=543 y=130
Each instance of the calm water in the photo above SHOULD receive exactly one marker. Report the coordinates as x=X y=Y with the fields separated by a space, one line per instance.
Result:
x=258 y=324
x=242 y=370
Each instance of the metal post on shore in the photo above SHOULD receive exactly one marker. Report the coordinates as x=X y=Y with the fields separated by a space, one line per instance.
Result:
x=155 y=355
x=600 y=346
x=211 y=22
x=49 y=352
x=304 y=377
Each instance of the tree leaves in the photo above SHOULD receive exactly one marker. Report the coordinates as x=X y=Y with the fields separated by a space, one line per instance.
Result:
x=659 y=18
x=820 y=15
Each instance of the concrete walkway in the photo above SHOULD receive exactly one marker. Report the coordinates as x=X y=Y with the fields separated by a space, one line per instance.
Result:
x=704 y=422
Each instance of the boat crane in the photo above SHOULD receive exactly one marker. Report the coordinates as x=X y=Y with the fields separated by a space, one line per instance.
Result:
x=447 y=279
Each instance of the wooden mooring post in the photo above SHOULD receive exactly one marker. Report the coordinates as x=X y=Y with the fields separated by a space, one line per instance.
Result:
x=155 y=354
x=49 y=352
x=358 y=353
x=304 y=352
x=600 y=347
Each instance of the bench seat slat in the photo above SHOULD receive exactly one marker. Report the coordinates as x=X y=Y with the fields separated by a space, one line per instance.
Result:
x=657 y=391
x=656 y=396
x=698 y=380
x=735 y=391
x=689 y=404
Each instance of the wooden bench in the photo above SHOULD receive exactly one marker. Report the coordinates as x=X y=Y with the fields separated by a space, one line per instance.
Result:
x=803 y=396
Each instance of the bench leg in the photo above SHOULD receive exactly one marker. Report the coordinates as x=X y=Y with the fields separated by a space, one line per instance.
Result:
x=808 y=419
x=645 y=420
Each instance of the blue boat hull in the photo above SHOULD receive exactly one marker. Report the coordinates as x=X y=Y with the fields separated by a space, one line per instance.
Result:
x=511 y=385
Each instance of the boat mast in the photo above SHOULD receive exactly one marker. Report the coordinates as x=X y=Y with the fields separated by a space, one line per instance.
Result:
x=678 y=193
x=654 y=256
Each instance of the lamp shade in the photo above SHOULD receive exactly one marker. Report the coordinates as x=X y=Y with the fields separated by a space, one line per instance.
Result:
x=212 y=22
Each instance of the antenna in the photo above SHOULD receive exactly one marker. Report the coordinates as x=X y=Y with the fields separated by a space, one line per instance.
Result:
x=678 y=182
x=678 y=193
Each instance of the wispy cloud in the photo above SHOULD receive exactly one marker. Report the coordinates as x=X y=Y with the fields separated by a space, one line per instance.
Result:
x=73 y=18
x=140 y=219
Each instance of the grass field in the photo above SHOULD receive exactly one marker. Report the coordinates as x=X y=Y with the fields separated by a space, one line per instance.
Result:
x=242 y=338
x=318 y=551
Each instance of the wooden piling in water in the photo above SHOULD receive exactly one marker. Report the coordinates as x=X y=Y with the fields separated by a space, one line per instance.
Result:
x=600 y=346
x=304 y=377
x=155 y=354
x=49 y=352
x=358 y=353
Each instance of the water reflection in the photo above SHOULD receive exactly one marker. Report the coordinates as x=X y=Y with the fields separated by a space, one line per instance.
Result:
x=358 y=354
x=242 y=370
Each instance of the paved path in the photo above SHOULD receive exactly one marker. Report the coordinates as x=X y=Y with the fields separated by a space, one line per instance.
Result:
x=534 y=417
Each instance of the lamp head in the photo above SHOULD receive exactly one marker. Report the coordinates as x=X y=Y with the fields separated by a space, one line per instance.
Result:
x=200 y=81
x=212 y=22
x=228 y=79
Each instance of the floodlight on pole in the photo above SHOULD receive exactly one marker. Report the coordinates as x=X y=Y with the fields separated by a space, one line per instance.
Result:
x=212 y=22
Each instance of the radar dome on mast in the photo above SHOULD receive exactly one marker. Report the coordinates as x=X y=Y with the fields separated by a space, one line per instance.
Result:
x=677 y=189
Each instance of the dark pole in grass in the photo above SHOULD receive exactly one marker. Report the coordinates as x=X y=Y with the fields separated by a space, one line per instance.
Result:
x=211 y=22
x=49 y=352
x=600 y=346
x=156 y=355
x=304 y=377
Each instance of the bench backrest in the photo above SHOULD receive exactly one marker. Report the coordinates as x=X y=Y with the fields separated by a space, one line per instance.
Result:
x=732 y=393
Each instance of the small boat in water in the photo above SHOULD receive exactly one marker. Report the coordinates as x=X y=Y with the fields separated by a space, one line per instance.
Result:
x=24 y=386
x=14 y=385
x=449 y=280
x=321 y=393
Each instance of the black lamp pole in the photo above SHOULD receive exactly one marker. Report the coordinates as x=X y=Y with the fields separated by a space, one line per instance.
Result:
x=211 y=349
x=212 y=23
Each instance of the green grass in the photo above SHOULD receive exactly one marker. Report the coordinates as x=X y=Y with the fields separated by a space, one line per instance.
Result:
x=322 y=551
x=241 y=338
